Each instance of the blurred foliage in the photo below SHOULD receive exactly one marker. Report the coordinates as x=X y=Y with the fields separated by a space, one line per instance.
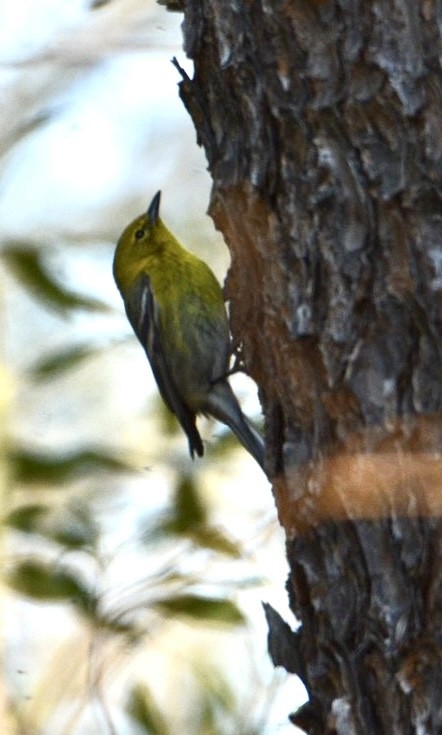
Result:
x=96 y=4
x=201 y=608
x=75 y=530
x=62 y=361
x=173 y=590
x=28 y=266
x=188 y=517
x=175 y=6
x=56 y=549
x=144 y=711
x=215 y=704
x=47 y=582
x=167 y=594
x=35 y=468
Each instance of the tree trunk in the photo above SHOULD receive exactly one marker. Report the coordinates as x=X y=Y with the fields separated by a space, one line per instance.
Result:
x=321 y=121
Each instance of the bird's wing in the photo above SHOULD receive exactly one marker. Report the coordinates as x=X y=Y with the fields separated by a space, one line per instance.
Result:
x=142 y=312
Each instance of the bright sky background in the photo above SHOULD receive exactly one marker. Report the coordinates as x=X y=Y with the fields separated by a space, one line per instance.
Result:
x=116 y=132
x=115 y=120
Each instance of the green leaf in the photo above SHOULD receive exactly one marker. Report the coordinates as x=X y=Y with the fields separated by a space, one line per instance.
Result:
x=69 y=358
x=202 y=535
x=188 y=518
x=201 y=608
x=188 y=508
x=60 y=362
x=174 y=6
x=47 y=582
x=209 y=537
x=74 y=529
x=143 y=710
x=28 y=518
x=34 y=468
x=27 y=264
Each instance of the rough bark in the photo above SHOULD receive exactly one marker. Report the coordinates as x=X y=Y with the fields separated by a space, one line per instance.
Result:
x=322 y=125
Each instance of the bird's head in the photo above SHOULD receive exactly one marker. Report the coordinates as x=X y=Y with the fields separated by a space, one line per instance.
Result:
x=145 y=234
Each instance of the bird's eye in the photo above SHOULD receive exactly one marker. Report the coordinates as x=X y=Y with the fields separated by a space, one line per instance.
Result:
x=139 y=234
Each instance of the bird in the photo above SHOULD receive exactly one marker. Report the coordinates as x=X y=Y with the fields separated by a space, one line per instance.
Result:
x=176 y=308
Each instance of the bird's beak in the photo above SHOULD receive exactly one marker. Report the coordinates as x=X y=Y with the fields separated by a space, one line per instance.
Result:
x=154 y=208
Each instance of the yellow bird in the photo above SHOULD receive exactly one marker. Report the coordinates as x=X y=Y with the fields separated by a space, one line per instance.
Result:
x=176 y=308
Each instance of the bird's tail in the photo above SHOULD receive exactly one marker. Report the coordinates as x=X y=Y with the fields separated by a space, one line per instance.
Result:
x=223 y=405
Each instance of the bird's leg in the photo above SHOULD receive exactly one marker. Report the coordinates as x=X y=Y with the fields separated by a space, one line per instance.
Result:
x=237 y=367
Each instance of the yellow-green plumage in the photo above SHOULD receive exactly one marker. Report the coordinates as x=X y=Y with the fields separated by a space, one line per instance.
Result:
x=176 y=308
